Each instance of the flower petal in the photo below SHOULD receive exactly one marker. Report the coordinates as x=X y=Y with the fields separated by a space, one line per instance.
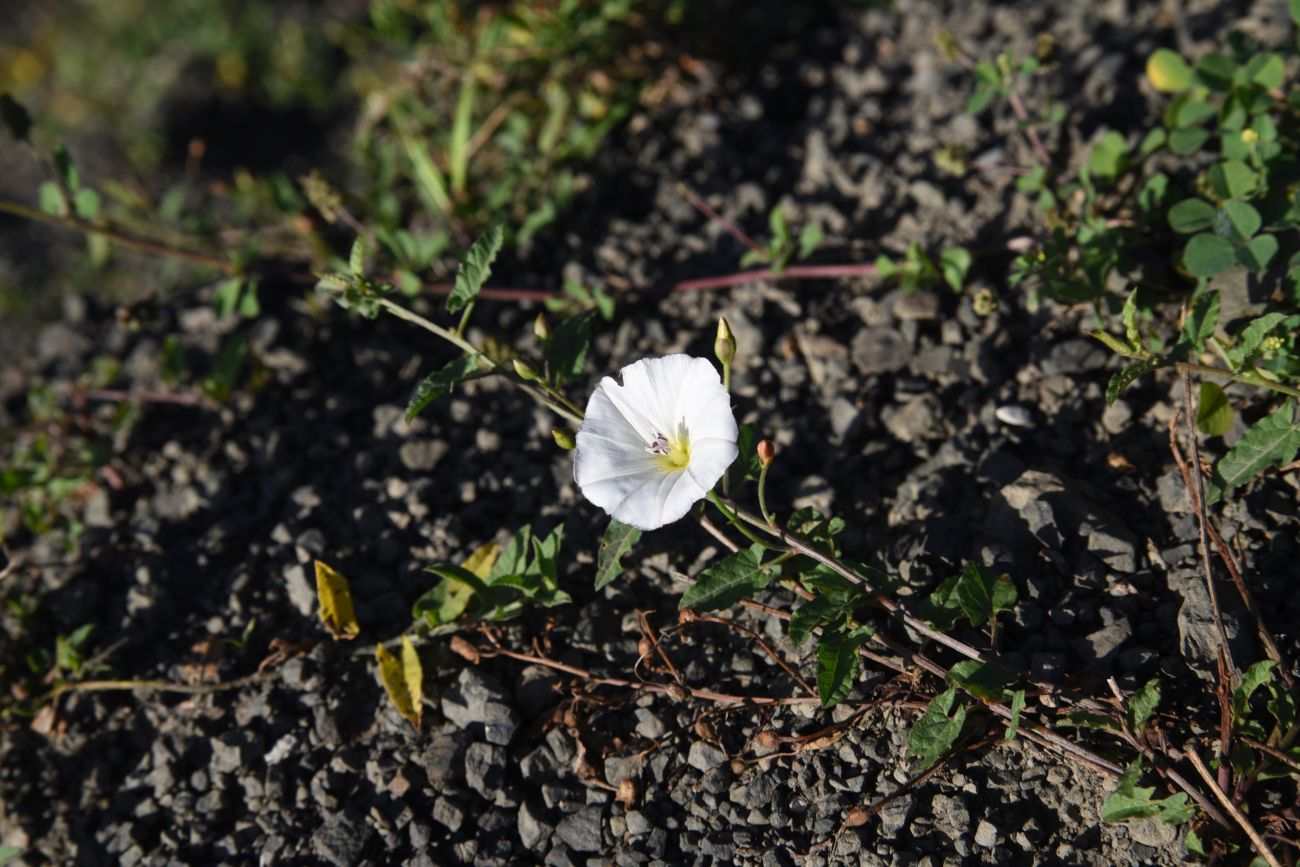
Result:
x=657 y=396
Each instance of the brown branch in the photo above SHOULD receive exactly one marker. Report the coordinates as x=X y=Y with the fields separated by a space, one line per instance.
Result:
x=1261 y=846
x=650 y=635
x=758 y=639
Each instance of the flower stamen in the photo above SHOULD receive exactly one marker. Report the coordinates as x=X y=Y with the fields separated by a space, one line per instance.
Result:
x=659 y=445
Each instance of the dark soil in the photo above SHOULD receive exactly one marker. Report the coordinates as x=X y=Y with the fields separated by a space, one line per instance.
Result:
x=941 y=437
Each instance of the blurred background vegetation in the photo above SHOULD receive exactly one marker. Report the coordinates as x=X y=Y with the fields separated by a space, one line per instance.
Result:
x=255 y=130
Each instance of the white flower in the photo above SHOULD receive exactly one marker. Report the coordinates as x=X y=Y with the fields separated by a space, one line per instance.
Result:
x=650 y=448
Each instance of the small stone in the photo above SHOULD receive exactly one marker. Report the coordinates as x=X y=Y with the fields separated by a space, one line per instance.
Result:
x=533 y=827
x=485 y=771
x=879 y=350
x=341 y=840
x=448 y=813
x=421 y=456
x=581 y=831
x=1014 y=415
x=705 y=756
x=1153 y=832
x=302 y=593
x=986 y=835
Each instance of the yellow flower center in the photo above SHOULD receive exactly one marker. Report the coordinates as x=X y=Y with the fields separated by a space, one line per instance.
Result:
x=673 y=451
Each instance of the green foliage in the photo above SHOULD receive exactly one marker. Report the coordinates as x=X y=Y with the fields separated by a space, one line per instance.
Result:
x=442 y=381
x=1017 y=707
x=917 y=270
x=736 y=577
x=937 y=731
x=524 y=573
x=1142 y=705
x=986 y=681
x=475 y=269
x=49 y=464
x=1213 y=412
x=838 y=662
x=746 y=465
x=781 y=246
x=1131 y=801
x=973 y=594
x=614 y=545
x=566 y=349
x=1271 y=441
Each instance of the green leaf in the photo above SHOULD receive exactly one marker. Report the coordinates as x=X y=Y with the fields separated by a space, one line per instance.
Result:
x=746 y=465
x=1215 y=71
x=810 y=238
x=1239 y=218
x=513 y=559
x=1168 y=72
x=566 y=351
x=1252 y=337
x=475 y=268
x=955 y=263
x=1194 y=112
x=1208 y=255
x=357 y=258
x=1152 y=142
x=227 y=296
x=938 y=729
x=1188 y=141
x=85 y=202
x=1143 y=703
x=1088 y=720
x=984 y=680
x=1191 y=215
x=1258 y=253
x=616 y=543
x=1129 y=800
x=1109 y=156
x=780 y=230
x=737 y=577
x=1119 y=347
x=1126 y=377
x=1271 y=441
x=1232 y=179
x=1213 y=412
x=942 y=607
x=982 y=596
x=1256 y=676
x=1266 y=70
x=1017 y=705
x=441 y=382
x=838 y=663
x=810 y=615
x=1200 y=323
x=1129 y=317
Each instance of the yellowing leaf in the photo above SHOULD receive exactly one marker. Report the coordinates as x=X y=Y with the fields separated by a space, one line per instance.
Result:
x=1167 y=72
x=335 y=603
x=403 y=679
x=483 y=559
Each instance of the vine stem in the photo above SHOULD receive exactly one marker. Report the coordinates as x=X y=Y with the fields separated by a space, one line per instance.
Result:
x=544 y=395
x=1246 y=379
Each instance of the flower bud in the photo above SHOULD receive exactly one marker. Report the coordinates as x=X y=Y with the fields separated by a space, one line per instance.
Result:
x=562 y=438
x=724 y=345
x=524 y=370
x=540 y=328
x=1249 y=136
x=766 y=452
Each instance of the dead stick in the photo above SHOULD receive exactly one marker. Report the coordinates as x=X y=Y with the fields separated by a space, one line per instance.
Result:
x=1261 y=847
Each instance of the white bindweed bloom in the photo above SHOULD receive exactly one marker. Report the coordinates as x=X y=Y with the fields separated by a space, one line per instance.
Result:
x=650 y=448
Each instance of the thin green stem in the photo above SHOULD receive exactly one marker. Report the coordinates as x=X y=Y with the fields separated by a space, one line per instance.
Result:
x=464 y=317
x=1245 y=378
x=735 y=521
x=762 y=494
x=543 y=395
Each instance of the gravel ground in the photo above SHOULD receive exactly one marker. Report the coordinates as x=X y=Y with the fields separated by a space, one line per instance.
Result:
x=951 y=438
